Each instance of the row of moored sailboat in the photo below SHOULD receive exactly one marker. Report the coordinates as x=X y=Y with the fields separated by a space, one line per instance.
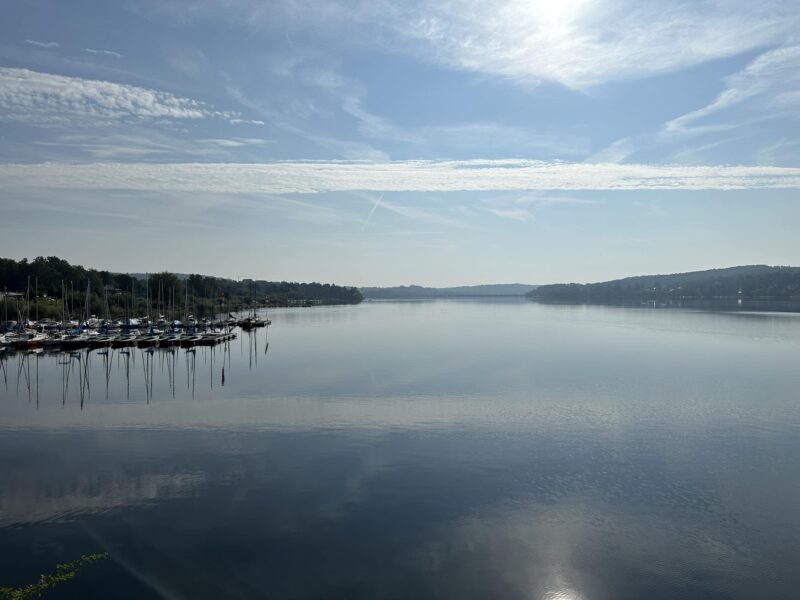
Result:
x=142 y=332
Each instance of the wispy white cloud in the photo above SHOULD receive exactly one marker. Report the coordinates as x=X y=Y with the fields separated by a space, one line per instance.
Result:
x=350 y=97
x=44 y=98
x=766 y=89
x=698 y=154
x=110 y=147
x=487 y=135
x=615 y=152
x=240 y=121
x=424 y=215
x=524 y=208
x=141 y=144
x=515 y=214
x=769 y=86
x=42 y=44
x=539 y=200
x=411 y=176
x=581 y=43
x=103 y=52
x=346 y=148
x=578 y=43
x=782 y=151
x=497 y=136
x=237 y=142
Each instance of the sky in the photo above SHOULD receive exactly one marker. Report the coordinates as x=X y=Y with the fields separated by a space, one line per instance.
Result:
x=432 y=142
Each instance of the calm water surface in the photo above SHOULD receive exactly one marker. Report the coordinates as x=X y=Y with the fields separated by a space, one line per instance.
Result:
x=449 y=449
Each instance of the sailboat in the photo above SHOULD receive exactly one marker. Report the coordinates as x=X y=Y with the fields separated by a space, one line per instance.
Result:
x=253 y=320
x=26 y=338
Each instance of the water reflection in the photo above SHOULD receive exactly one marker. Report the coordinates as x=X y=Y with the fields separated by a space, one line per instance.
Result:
x=443 y=513
x=426 y=450
x=112 y=370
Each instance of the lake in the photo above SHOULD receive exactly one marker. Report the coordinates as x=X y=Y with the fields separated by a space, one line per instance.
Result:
x=440 y=449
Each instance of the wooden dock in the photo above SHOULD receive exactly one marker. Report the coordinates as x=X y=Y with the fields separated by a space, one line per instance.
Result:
x=82 y=342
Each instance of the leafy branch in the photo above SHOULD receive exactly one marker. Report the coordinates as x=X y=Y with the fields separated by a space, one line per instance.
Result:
x=63 y=572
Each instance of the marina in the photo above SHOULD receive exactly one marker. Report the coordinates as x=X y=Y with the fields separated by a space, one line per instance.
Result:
x=91 y=332
x=125 y=367
x=32 y=340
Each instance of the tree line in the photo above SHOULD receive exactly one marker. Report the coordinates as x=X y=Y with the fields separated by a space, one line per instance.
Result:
x=53 y=287
x=755 y=282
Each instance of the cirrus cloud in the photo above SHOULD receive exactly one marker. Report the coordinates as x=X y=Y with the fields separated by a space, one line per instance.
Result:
x=44 y=98
x=577 y=43
x=103 y=52
x=767 y=88
x=398 y=176
x=39 y=44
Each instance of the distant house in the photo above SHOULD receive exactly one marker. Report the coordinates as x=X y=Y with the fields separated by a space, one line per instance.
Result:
x=12 y=295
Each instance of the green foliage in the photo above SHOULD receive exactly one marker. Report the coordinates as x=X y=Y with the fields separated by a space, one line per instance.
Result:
x=127 y=294
x=62 y=573
x=756 y=282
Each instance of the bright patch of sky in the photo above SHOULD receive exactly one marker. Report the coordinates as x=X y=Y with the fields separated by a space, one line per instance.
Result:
x=385 y=143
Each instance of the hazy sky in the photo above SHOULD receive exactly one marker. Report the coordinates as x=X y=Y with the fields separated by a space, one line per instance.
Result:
x=380 y=143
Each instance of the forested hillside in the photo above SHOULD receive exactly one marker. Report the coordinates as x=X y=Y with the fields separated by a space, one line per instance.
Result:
x=410 y=292
x=757 y=282
x=55 y=279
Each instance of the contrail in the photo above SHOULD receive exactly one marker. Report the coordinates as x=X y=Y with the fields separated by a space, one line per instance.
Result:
x=374 y=206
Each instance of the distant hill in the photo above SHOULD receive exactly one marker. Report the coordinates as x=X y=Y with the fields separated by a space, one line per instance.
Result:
x=759 y=282
x=411 y=292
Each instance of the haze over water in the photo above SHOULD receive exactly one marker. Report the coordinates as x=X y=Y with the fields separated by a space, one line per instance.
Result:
x=451 y=449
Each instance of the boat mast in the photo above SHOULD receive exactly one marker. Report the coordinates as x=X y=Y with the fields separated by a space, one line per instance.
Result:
x=108 y=310
x=88 y=300
x=147 y=300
